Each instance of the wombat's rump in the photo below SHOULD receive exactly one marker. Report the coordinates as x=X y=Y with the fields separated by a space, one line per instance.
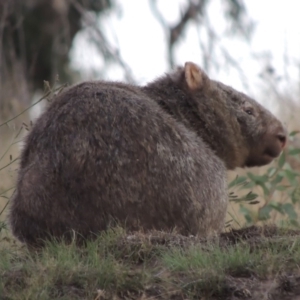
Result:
x=152 y=157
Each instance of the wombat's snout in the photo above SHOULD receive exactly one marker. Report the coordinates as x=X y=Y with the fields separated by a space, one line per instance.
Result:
x=282 y=137
x=272 y=145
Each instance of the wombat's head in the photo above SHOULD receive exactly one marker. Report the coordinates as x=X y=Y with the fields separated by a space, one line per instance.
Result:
x=240 y=130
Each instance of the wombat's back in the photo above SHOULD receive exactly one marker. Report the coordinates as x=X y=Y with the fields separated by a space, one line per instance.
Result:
x=105 y=153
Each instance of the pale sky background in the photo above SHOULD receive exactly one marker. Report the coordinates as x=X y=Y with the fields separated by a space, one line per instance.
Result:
x=136 y=32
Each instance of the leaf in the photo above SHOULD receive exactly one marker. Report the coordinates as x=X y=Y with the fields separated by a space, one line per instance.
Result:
x=290 y=211
x=291 y=176
x=295 y=151
x=281 y=160
x=293 y=133
x=282 y=188
x=247 y=214
x=295 y=195
x=265 y=189
x=237 y=181
x=277 y=206
x=276 y=180
x=258 y=178
x=264 y=213
x=250 y=196
x=254 y=202
x=272 y=171
x=249 y=185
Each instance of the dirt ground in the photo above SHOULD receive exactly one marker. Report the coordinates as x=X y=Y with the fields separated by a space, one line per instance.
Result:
x=244 y=285
x=284 y=286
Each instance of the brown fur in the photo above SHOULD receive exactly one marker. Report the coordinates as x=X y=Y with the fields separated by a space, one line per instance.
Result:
x=152 y=157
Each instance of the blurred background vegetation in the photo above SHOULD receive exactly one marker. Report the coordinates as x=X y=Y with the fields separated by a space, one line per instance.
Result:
x=47 y=43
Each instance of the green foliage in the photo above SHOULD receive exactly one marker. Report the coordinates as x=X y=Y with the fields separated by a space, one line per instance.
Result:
x=279 y=189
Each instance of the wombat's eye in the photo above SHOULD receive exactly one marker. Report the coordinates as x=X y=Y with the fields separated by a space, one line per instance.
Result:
x=249 y=111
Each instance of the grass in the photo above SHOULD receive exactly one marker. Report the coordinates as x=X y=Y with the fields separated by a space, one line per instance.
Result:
x=66 y=271
x=206 y=272
x=157 y=265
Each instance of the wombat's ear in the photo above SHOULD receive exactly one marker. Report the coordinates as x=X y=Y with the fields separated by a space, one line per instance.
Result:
x=194 y=76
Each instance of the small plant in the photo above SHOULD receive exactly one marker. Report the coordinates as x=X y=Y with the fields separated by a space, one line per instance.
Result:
x=279 y=187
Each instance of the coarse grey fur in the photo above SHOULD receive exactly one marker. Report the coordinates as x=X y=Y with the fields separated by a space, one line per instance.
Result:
x=152 y=157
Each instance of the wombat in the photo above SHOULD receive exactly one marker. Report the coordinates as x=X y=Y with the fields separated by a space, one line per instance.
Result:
x=152 y=157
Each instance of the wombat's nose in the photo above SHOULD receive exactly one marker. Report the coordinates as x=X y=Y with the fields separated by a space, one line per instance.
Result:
x=282 y=138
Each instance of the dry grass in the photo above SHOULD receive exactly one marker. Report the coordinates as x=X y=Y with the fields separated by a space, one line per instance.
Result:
x=9 y=152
